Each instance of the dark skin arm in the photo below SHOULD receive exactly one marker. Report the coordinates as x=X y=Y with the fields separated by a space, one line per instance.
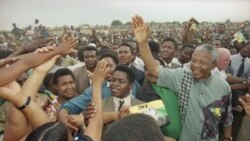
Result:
x=31 y=47
x=9 y=74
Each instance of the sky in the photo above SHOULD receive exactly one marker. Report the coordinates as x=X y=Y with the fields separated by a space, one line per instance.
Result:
x=75 y=12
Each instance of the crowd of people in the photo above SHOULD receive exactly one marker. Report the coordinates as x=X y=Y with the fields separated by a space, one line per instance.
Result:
x=80 y=85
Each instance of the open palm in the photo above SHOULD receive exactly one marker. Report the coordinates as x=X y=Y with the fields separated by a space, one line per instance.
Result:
x=141 y=30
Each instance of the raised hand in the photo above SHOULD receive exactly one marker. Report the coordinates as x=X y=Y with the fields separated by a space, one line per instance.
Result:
x=36 y=44
x=100 y=72
x=68 y=121
x=67 y=46
x=123 y=112
x=246 y=103
x=141 y=30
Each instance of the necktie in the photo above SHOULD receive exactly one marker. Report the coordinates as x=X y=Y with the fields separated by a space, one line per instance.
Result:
x=121 y=102
x=241 y=68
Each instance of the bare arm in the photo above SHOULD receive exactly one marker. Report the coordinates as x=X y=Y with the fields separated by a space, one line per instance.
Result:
x=94 y=129
x=16 y=120
x=33 y=60
x=31 y=47
x=141 y=31
x=227 y=131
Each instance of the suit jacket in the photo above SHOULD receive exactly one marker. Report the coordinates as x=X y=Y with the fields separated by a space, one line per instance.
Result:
x=82 y=79
x=139 y=75
x=109 y=105
x=244 y=130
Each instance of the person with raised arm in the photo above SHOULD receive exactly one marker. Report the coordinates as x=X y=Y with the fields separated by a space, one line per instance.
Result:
x=204 y=99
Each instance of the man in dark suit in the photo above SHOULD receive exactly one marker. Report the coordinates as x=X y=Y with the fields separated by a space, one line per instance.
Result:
x=120 y=86
x=126 y=55
x=168 y=49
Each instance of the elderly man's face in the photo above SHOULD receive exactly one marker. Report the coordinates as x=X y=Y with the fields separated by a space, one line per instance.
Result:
x=201 y=64
x=223 y=61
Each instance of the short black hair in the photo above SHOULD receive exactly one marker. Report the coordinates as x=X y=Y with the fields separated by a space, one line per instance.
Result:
x=129 y=46
x=187 y=45
x=130 y=73
x=51 y=131
x=112 y=55
x=103 y=50
x=62 y=72
x=171 y=40
x=83 y=49
x=154 y=47
x=135 y=127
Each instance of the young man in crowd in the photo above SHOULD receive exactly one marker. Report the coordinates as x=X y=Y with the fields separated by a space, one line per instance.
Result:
x=89 y=56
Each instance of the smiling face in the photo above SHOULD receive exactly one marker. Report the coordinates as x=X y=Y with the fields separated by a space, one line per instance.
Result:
x=66 y=86
x=120 y=86
x=186 y=54
x=201 y=64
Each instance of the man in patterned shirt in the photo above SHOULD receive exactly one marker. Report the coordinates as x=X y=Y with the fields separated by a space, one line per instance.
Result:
x=204 y=99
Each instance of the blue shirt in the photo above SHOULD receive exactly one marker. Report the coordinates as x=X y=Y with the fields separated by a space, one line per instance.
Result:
x=79 y=104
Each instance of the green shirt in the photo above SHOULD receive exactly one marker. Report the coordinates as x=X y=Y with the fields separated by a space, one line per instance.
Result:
x=203 y=104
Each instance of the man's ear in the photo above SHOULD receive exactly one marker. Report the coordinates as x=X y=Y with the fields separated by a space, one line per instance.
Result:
x=213 y=65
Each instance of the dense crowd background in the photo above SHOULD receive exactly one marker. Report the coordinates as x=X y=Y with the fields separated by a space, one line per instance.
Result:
x=171 y=44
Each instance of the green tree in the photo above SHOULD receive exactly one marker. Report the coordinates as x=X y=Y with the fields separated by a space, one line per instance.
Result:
x=116 y=23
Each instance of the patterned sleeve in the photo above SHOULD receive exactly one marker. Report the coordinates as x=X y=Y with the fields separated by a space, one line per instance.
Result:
x=228 y=119
x=170 y=78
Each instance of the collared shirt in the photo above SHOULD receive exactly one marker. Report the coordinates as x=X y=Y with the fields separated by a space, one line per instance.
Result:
x=171 y=65
x=208 y=103
x=236 y=61
x=176 y=61
x=79 y=103
x=167 y=65
x=222 y=74
x=127 y=102
x=138 y=63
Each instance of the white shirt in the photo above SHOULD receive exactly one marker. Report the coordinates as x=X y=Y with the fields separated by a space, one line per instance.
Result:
x=222 y=74
x=127 y=102
x=138 y=63
x=236 y=61
x=176 y=61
